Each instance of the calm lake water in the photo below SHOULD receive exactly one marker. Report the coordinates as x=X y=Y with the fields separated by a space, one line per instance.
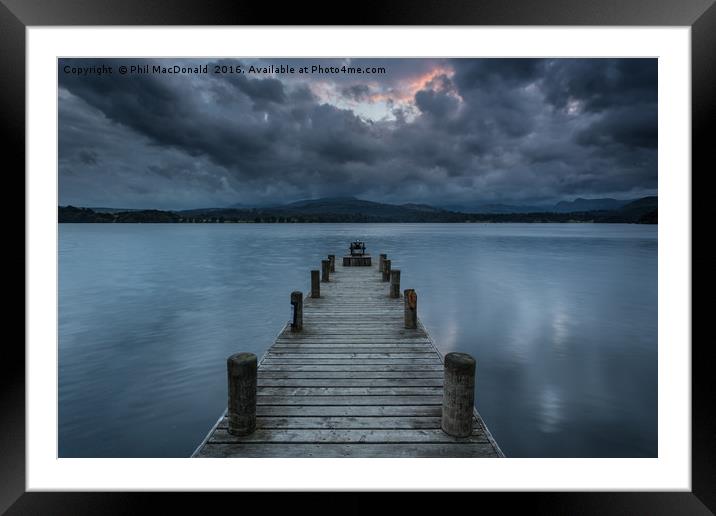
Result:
x=561 y=318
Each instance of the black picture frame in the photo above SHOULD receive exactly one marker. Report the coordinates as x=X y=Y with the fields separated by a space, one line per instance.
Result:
x=16 y=15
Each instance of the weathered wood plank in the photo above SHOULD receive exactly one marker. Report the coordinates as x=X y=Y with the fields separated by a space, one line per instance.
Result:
x=346 y=339
x=383 y=322
x=351 y=348
x=350 y=391
x=349 y=400
x=345 y=422
x=352 y=367
x=357 y=312
x=348 y=410
x=345 y=342
x=350 y=382
x=349 y=361
x=362 y=334
x=384 y=315
x=350 y=375
x=337 y=355
x=326 y=450
x=426 y=358
x=352 y=435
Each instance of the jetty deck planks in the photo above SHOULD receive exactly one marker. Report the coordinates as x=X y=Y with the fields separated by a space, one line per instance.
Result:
x=353 y=383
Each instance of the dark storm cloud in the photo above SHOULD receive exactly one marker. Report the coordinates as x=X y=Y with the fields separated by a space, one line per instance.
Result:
x=168 y=112
x=496 y=73
x=436 y=103
x=338 y=136
x=259 y=91
x=628 y=126
x=498 y=102
x=459 y=131
x=601 y=84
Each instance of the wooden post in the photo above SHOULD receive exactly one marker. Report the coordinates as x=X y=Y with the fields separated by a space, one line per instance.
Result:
x=381 y=259
x=315 y=284
x=458 y=394
x=325 y=270
x=332 y=259
x=386 y=270
x=241 y=369
x=297 y=303
x=411 y=308
x=395 y=283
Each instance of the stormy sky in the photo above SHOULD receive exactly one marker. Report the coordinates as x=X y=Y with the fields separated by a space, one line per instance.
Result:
x=447 y=132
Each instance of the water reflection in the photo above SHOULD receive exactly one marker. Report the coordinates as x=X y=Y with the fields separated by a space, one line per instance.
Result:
x=550 y=410
x=562 y=320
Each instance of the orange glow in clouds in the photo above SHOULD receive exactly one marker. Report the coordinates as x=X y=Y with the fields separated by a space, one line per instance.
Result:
x=405 y=90
x=383 y=96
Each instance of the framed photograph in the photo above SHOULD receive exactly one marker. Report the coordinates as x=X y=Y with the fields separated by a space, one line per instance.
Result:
x=338 y=222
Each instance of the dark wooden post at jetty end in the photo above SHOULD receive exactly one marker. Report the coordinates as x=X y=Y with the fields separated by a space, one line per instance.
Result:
x=325 y=270
x=411 y=308
x=381 y=259
x=297 y=303
x=395 y=283
x=241 y=410
x=332 y=259
x=386 y=270
x=315 y=284
x=458 y=394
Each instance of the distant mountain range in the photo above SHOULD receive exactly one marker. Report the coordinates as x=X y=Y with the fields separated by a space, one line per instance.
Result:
x=99 y=209
x=578 y=204
x=495 y=208
x=351 y=209
x=353 y=205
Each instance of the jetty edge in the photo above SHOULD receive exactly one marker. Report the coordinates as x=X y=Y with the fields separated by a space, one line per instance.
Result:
x=354 y=373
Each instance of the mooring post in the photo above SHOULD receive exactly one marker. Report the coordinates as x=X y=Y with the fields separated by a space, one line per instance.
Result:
x=325 y=270
x=386 y=270
x=381 y=259
x=411 y=308
x=241 y=369
x=458 y=394
x=297 y=303
x=395 y=283
x=332 y=259
x=315 y=284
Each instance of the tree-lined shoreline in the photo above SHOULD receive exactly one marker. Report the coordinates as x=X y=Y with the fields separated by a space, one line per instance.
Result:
x=641 y=211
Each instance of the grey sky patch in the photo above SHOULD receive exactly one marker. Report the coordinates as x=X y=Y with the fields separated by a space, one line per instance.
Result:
x=357 y=92
x=88 y=157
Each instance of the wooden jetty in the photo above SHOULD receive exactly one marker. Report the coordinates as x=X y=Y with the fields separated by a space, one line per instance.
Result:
x=353 y=374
